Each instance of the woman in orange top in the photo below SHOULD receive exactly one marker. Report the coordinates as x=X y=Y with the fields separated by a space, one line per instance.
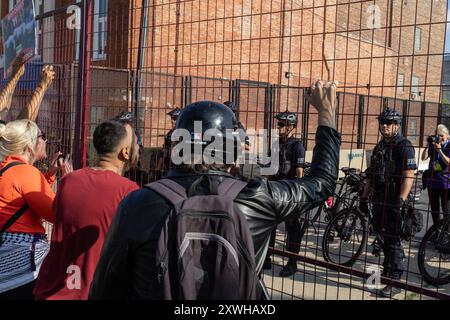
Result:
x=26 y=194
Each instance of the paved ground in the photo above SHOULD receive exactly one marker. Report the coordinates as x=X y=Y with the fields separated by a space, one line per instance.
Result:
x=318 y=283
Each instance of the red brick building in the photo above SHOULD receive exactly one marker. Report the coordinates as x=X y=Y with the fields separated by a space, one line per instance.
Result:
x=389 y=48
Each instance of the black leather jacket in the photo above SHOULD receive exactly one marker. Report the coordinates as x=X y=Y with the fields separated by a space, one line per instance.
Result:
x=127 y=267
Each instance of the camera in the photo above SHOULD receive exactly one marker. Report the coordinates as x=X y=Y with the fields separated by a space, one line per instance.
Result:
x=433 y=139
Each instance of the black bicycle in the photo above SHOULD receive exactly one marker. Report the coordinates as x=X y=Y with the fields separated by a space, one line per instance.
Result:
x=347 y=232
x=434 y=254
x=340 y=200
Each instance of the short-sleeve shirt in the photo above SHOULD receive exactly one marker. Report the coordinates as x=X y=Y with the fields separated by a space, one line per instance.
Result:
x=388 y=161
x=440 y=178
x=292 y=156
x=85 y=205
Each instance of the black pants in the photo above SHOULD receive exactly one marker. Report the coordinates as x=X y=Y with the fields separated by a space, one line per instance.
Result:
x=24 y=292
x=439 y=198
x=386 y=222
x=293 y=235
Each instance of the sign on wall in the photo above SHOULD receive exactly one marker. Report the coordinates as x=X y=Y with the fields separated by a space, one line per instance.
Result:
x=19 y=34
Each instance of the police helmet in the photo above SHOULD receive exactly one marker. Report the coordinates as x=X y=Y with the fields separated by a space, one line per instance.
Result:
x=289 y=118
x=390 y=115
x=175 y=113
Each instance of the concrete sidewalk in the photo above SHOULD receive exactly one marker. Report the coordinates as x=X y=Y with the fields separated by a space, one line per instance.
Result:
x=318 y=283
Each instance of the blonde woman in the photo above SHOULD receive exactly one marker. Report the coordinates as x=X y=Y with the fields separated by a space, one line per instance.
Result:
x=26 y=199
x=438 y=151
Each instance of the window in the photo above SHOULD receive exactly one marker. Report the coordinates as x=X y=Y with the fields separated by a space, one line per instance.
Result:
x=401 y=83
x=415 y=88
x=412 y=132
x=100 y=29
x=417 y=39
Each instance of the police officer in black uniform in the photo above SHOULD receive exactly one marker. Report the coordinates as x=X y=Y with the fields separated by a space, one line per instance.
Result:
x=390 y=179
x=291 y=165
x=166 y=163
x=238 y=169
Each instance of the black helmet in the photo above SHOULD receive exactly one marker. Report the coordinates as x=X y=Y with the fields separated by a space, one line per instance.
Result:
x=125 y=117
x=212 y=115
x=174 y=113
x=288 y=118
x=231 y=105
x=390 y=115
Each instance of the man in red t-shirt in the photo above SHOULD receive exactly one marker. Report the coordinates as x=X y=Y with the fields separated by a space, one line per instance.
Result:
x=85 y=204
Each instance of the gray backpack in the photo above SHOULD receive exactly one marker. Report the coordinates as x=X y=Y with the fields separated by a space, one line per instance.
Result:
x=205 y=250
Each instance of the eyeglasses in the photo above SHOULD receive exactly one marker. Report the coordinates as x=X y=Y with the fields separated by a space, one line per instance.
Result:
x=43 y=136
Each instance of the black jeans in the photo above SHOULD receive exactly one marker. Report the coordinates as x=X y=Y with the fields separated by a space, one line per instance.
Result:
x=293 y=240
x=386 y=222
x=439 y=198
x=24 y=292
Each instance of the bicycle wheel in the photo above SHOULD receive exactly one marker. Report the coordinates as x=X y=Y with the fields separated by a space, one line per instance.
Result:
x=434 y=254
x=345 y=237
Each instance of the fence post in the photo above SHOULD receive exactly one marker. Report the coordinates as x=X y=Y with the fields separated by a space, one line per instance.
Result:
x=305 y=117
x=268 y=111
x=422 y=124
x=142 y=44
x=82 y=110
x=359 y=137
x=187 y=90
x=237 y=94
x=405 y=115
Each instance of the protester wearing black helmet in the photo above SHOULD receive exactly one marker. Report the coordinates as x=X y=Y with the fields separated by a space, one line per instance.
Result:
x=130 y=268
x=390 y=179
x=291 y=161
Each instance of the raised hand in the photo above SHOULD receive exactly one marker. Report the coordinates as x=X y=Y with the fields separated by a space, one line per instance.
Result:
x=323 y=97
x=48 y=75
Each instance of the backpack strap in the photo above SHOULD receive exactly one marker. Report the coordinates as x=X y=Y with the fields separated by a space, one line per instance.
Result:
x=169 y=189
x=21 y=211
x=9 y=166
x=230 y=188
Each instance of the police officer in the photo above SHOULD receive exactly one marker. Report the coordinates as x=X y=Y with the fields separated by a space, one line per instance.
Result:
x=238 y=169
x=390 y=179
x=165 y=161
x=291 y=165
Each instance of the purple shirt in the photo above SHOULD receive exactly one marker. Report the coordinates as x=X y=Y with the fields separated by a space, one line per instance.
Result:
x=440 y=178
